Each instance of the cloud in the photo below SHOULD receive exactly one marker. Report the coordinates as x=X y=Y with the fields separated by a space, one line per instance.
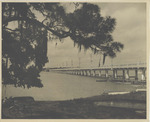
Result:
x=130 y=30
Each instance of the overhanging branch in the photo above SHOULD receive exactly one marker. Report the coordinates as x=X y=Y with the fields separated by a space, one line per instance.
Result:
x=63 y=35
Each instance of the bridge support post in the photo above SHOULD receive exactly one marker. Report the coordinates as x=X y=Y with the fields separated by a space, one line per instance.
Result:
x=80 y=72
x=143 y=75
x=106 y=73
x=90 y=71
x=94 y=73
x=136 y=74
x=123 y=74
x=76 y=72
x=99 y=73
x=85 y=73
x=127 y=74
x=114 y=74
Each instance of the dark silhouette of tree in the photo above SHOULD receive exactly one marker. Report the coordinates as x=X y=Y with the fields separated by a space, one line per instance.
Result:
x=24 y=48
x=111 y=49
x=91 y=30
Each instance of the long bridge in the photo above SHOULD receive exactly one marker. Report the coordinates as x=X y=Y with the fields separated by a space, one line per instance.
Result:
x=124 y=72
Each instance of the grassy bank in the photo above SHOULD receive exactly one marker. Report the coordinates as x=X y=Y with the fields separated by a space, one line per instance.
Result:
x=85 y=108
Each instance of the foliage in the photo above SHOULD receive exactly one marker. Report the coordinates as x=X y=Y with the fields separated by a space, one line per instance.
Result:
x=24 y=50
x=91 y=30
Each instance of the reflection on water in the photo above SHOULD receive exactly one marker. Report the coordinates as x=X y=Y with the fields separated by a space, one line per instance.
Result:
x=64 y=87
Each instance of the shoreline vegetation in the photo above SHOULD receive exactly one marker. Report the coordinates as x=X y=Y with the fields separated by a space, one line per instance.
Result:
x=113 y=105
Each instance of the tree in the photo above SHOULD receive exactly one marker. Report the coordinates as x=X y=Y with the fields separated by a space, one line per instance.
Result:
x=95 y=33
x=24 y=48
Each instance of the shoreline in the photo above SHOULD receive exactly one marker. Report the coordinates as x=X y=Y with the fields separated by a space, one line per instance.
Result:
x=126 y=106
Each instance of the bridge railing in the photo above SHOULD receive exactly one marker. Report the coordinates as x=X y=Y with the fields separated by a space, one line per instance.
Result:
x=124 y=65
x=133 y=65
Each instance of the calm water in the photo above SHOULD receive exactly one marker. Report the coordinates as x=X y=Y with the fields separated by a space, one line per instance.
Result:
x=63 y=87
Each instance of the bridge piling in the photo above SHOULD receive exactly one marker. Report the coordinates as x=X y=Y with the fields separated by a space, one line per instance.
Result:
x=116 y=73
x=106 y=73
x=99 y=73
x=90 y=72
x=94 y=73
x=136 y=74
x=127 y=74
x=86 y=72
x=76 y=72
x=123 y=73
x=79 y=72
x=143 y=77
x=82 y=73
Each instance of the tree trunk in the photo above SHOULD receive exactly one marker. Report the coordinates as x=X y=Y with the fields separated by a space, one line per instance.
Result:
x=104 y=57
x=99 y=61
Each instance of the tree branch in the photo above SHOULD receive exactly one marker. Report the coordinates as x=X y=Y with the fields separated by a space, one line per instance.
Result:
x=11 y=29
x=34 y=21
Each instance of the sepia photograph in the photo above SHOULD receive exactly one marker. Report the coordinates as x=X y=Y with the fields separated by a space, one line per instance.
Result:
x=74 y=60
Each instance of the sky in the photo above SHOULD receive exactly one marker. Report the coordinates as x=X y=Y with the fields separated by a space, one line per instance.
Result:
x=130 y=30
